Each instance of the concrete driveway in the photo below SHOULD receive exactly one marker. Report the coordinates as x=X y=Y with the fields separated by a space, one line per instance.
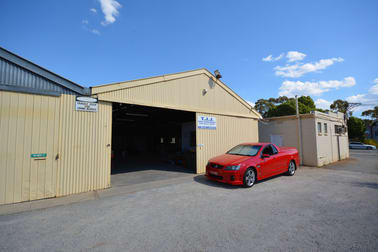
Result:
x=334 y=208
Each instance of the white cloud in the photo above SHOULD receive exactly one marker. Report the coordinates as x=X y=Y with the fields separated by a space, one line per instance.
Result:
x=270 y=58
x=93 y=10
x=374 y=89
x=323 y=104
x=368 y=101
x=251 y=103
x=299 y=69
x=292 y=88
x=110 y=10
x=85 y=21
x=295 y=56
x=95 y=31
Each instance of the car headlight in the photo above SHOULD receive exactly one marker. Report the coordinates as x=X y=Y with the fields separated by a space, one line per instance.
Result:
x=232 y=168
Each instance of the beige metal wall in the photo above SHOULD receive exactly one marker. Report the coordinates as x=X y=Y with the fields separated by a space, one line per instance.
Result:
x=230 y=131
x=84 y=148
x=31 y=124
x=288 y=131
x=28 y=124
x=330 y=145
x=181 y=92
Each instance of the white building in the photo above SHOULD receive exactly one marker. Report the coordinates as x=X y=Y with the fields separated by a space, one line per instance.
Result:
x=321 y=138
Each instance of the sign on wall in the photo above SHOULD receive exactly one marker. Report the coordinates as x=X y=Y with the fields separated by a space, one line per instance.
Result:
x=85 y=103
x=206 y=122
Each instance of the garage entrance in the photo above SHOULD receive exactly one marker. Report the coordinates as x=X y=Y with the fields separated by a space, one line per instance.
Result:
x=150 y=144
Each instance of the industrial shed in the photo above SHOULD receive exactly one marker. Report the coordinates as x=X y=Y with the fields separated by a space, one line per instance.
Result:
x=51 y=149
x=321 y=138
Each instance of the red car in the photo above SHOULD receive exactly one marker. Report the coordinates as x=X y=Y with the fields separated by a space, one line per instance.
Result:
x=246 y=163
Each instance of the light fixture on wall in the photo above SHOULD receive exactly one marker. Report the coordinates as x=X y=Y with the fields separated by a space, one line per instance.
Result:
x=204 y=91
x=217 y=74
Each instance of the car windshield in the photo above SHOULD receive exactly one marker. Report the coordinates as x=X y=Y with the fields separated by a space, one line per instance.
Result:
x=245 y=150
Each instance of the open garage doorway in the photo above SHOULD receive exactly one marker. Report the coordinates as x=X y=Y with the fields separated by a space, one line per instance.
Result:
x=150 y=144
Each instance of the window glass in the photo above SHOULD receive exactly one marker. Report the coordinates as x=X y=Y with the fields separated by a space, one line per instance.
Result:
x=325 y=128
x=268 y=150
x=245 y=150
x=275 y=151
x=319 y=127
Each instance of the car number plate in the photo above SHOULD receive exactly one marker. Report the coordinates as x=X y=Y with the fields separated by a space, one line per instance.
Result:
x=214 y=172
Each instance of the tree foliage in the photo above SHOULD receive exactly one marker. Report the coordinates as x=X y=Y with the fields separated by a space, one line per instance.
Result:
x=341 y=106
x=356 y=128
x=373 y=113
x=283 y=106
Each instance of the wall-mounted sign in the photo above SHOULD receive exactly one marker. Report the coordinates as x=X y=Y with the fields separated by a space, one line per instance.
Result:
x=38 y=155
x=86 y=103
x=206 y=122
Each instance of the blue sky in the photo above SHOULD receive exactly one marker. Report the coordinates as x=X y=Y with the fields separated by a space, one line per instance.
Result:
x=326 y=49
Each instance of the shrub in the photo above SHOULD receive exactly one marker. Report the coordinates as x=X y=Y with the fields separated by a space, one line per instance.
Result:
x=371 y=142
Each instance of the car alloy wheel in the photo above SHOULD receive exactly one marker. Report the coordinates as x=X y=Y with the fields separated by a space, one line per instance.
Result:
x=291 y=170
x=249 y=178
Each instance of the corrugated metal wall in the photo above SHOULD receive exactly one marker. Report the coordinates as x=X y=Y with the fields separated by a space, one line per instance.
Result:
x=28 y=124
x=34 y=124
x=229 y=132
x=13 y=75
x=84 y=148
x=181 y=94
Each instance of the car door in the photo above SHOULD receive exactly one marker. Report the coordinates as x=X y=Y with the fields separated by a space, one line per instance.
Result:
x=268 y=164
x=281 y=161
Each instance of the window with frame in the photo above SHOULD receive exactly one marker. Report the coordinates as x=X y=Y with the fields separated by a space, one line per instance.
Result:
x=325 y=128
x=319 y=128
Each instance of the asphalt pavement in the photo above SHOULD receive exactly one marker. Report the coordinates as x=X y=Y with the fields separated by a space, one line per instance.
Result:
x=334 y=208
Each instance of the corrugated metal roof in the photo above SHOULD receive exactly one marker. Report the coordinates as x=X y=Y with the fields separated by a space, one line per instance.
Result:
x=20 y=75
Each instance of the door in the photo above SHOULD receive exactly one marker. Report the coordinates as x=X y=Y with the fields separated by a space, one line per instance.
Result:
x=269 y=164
x=29 y=128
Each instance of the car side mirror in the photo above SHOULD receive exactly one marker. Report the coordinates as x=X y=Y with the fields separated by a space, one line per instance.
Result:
x=265 y=155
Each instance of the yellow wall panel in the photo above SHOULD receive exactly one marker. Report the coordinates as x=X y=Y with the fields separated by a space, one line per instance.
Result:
x=84 y=148
x=197 y=93
x=28 y=124
x=230 y=131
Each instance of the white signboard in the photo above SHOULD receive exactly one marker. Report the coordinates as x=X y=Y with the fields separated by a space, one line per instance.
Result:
x=85 y=103
x=206 y=122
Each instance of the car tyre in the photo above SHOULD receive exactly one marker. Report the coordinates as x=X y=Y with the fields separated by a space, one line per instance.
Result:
x=291 y=169
x=249 y=178
x=369 y=148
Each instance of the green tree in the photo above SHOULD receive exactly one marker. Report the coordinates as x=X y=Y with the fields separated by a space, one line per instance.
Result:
x=356 y=128
x=341 y=106
x=307 y=101
x=263 y=106
x=373 y=113
x=283 y=106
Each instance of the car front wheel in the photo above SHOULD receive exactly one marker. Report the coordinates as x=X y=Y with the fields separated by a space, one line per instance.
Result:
x=249 y=177
x=291 y=169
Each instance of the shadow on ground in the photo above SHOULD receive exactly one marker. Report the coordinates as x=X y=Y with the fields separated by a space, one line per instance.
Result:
x=202 y=179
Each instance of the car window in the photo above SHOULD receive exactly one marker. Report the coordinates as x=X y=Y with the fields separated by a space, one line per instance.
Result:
x=268 y=150
x=275 y=151
x=245 y=150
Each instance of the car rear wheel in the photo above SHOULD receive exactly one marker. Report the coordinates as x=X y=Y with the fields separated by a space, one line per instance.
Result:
x=291 y=169
x=249 y=177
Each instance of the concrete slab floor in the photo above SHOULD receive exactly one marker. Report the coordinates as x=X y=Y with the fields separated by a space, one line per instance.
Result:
x=144 y=169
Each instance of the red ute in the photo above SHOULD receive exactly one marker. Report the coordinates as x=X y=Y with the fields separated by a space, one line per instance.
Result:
x=246 y=163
